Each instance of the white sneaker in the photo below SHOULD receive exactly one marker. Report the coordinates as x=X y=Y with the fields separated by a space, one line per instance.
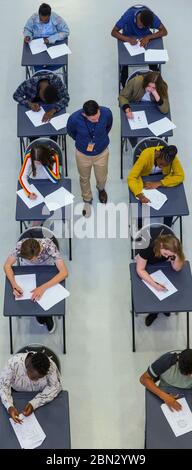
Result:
x=86 y=210
x=50 y=324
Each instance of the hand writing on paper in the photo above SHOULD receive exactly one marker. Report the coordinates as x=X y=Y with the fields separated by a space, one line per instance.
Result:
x=152 y=184
x=129 y=113
x=28 y=409
x=160 y=287
x=144 y=41
x=14 y=414
x=34 y=106
x=17 y=291
x=48 y=115
x=143 y=199
x=172 y=403
x=33 y=196
x=132 y=41
x=37 y=293
x=46 y=40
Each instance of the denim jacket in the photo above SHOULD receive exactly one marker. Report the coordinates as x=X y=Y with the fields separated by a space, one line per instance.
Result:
x=57 y=28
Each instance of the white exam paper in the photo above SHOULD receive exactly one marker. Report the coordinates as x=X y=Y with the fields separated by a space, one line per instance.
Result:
x=30 y=203
x=27 y=282
x=58 y=51
x=52 y=296
x=156 y=55
x=139 y=120
x=180 y=421
x=134 y=50
x=29 y=434
x=59 y=198
x=159 y=276
x=59 y=122
x=161 y=126
x=157 y=199
x=36 y=117
x=37 y=46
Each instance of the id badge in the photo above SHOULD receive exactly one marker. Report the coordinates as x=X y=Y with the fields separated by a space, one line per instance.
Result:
x=90 y=147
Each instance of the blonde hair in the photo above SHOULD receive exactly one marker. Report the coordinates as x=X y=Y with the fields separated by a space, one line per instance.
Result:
x=168 y=242
x=155 y=77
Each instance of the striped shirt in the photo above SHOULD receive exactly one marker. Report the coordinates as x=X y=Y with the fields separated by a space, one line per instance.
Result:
x=42 y=172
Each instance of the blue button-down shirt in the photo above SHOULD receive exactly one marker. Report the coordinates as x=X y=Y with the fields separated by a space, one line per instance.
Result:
x=83 y=131
x=55 y=30
x=28 y=90
x=128 y=23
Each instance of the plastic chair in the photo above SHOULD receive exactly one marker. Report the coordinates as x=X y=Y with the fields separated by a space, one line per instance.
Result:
x=35 y=347
x=146 y=233
x=147 y=143
x=51 y=144
x=138 y=72
x=42 y=72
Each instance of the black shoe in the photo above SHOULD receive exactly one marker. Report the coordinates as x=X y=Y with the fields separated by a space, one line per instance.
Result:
x=102 y=196
x=41 y=320
x=50 y=324
x=150 y=318
x=167 y=314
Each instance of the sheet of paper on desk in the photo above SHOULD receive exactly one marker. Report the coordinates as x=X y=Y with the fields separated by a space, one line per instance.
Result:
x=37 y=46
x=156 y=55
x=36 y=117
x=180 y=421
x=59 y=198
x=29 y=434
x=160 y=278
x=52 y=296
x=59 y=122
x=58 y=51
x=27 y=282
x=134 y=50
x=157 y=199
x=139 y=120
x=161 y=126
x=30 y=203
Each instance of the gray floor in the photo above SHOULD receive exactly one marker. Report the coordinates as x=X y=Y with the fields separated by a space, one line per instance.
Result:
x=100 y=371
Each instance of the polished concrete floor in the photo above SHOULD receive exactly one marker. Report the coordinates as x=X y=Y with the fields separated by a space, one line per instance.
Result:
x=99 y=370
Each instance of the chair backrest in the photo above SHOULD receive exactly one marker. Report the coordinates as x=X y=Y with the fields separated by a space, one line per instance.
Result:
x=50 y=143
x=146 y=143
x=139 y=5
x=39 y=232
x=144 y=235
x=44 y=349
x=43 y=72
x=138 y=72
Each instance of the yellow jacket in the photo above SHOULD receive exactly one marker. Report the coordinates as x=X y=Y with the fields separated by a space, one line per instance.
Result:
x=174 y=173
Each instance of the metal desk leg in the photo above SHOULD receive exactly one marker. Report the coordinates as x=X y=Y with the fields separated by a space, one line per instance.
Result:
x=181 y=229
x=10 y=335
x=21 y=150
x=64 y=341
x=21 y=227
x=133 y=323
x=121 y=162
x=188 y=340
x=119 y=73
x=65 y=150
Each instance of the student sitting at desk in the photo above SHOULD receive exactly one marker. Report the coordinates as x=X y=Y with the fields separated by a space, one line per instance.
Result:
x=34 y=252
x=162 y=160
x=163 y=246
x=171 y=369
x=45 y=24
x=27 y=372
x=40 y=163
x=136 y=24
x=48 y=89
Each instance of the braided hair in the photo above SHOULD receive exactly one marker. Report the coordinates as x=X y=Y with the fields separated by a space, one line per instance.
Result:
x=40 y=362
x=168 y=153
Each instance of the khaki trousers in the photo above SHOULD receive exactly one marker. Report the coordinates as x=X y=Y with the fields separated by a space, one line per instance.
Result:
x=84 y=166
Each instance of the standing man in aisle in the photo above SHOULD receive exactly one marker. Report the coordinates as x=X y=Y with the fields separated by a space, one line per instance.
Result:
x=89 y=128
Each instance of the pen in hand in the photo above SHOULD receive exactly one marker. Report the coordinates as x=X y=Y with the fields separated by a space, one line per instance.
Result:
x=164 y=287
